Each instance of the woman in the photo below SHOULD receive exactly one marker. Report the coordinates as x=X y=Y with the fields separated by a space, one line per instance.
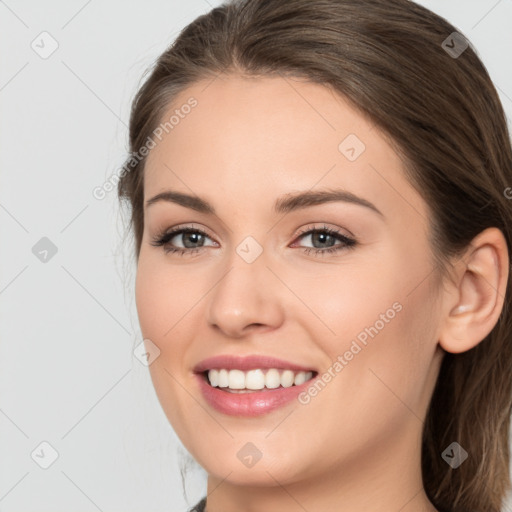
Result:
x=317 y=196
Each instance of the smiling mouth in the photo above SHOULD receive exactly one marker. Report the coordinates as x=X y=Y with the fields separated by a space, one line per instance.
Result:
x=238 y=381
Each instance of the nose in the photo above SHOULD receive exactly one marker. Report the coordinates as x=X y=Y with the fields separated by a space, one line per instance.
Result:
x=247 y=298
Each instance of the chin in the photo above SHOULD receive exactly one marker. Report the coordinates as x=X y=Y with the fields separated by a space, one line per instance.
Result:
x=247 y=465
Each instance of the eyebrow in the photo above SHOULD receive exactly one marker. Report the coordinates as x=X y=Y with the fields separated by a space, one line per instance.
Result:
x=285 y=204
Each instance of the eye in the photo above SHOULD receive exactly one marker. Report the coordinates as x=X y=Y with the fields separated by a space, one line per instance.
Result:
x=193 y=240
x=322 y=237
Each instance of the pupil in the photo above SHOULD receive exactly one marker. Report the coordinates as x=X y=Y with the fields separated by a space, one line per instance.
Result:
x=193 y=235
x=321 y=235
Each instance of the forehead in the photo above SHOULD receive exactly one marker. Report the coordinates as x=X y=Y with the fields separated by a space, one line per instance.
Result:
x=249 y=138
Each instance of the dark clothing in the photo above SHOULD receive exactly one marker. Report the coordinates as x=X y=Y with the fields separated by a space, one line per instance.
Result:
x=199 y=507
x=202 y=504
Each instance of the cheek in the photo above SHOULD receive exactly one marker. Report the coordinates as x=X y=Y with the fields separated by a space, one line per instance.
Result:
x=168 y=310
x=160 y=299
x=150 y=302
x=161 y=311
x=382 y=322
x=396 y=333
x=347 y=302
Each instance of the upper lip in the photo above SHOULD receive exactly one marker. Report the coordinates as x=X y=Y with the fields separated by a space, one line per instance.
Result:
x=251 y=362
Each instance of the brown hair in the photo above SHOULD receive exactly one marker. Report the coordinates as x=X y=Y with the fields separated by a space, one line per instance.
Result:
x=443 y=116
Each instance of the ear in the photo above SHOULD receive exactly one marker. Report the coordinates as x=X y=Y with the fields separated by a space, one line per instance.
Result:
x=474 y=298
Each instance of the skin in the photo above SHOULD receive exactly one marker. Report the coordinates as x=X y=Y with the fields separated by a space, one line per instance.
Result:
x=357 y=443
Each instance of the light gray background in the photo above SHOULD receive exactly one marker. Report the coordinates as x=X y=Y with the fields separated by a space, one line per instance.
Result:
x=68 y=326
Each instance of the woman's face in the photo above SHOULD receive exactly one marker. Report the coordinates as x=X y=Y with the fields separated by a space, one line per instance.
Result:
x=355 y=306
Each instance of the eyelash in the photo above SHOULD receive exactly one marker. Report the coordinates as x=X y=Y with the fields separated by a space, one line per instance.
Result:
x=162 y=239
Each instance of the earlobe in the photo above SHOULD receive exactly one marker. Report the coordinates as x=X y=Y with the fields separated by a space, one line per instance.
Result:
x=475 y=297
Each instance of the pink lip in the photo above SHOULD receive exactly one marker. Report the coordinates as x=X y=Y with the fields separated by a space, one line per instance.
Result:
x=254 y=403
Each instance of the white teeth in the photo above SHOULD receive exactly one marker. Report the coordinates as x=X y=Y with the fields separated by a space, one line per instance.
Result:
x=287 y=379
x=272 y=379
x=223 y=379
x=257 y=379
x=300 y=378
x=236 y=379
x=213 y=375
x=254 y=379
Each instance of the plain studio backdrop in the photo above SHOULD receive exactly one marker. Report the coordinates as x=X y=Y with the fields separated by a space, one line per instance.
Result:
x=80 y=426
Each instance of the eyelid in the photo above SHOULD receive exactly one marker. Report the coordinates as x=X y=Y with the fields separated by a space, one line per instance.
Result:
x=186 y=227
x=315 y=227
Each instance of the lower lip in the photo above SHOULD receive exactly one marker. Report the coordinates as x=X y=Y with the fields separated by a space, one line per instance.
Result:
x=254 y=403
